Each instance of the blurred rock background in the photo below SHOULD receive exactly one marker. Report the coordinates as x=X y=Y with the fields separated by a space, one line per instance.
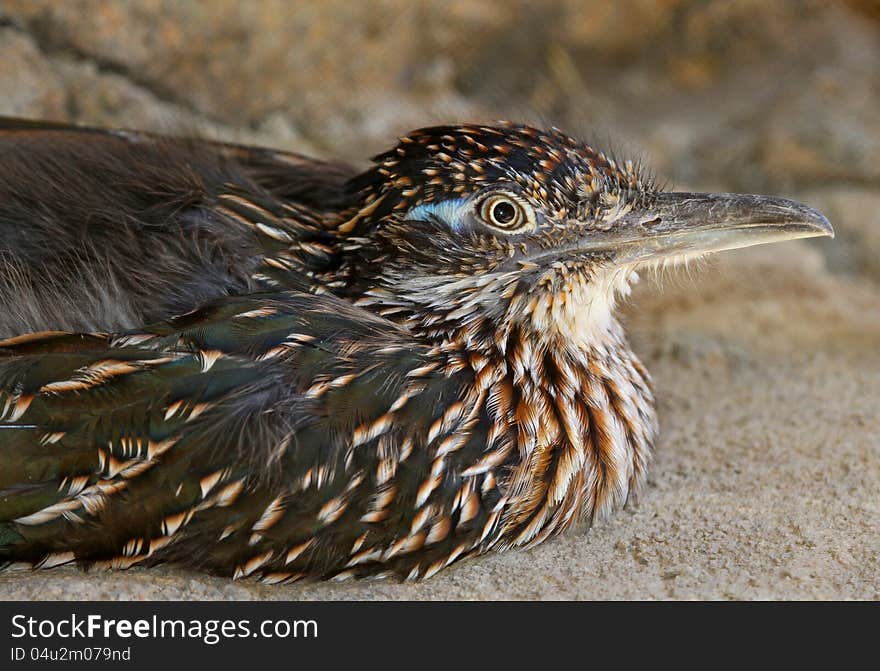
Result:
x=768 y=366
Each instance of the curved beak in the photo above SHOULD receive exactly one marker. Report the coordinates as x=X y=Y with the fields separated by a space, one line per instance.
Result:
x=672 y=224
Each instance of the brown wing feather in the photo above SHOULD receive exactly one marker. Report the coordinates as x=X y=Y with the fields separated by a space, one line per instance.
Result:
x=110 y=229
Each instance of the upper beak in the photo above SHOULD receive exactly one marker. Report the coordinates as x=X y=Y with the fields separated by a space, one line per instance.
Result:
x=669 y=224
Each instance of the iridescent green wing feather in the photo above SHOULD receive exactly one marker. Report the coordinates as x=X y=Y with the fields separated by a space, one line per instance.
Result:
x=283 y=434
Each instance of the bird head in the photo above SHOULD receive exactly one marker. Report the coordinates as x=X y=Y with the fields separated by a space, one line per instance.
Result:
x=460 y=227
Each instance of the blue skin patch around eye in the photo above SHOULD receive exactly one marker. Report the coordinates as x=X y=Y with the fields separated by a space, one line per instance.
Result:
x=451 y=211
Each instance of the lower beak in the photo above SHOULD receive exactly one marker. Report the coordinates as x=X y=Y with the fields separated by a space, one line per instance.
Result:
x=672 y=224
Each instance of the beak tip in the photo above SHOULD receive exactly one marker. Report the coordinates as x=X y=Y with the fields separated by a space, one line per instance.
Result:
x=818 y=222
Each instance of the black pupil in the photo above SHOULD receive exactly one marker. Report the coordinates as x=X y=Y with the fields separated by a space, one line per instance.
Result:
x=503 y=213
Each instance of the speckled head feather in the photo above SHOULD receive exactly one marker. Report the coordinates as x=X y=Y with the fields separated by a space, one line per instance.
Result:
x=443 y=162
x=422 y=236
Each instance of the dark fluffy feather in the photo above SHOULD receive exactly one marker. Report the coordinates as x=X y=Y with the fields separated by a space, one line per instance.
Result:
x=107 y=230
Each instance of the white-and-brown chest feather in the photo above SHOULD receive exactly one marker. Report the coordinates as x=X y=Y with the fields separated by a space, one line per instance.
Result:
x=569 y=407
x=583 y=424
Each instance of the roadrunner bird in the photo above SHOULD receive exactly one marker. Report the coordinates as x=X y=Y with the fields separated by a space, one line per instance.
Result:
x=341 y=375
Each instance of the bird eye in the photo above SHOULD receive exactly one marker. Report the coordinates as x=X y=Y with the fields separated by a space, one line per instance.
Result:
x=506 y=213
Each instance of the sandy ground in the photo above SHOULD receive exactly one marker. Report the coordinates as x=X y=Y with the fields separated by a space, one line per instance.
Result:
x=766 y=478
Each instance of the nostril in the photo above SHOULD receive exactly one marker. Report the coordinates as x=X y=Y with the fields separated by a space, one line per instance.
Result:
x=653 y=221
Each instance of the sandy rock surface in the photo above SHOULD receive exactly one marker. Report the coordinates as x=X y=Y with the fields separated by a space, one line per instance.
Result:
x=767 y=361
